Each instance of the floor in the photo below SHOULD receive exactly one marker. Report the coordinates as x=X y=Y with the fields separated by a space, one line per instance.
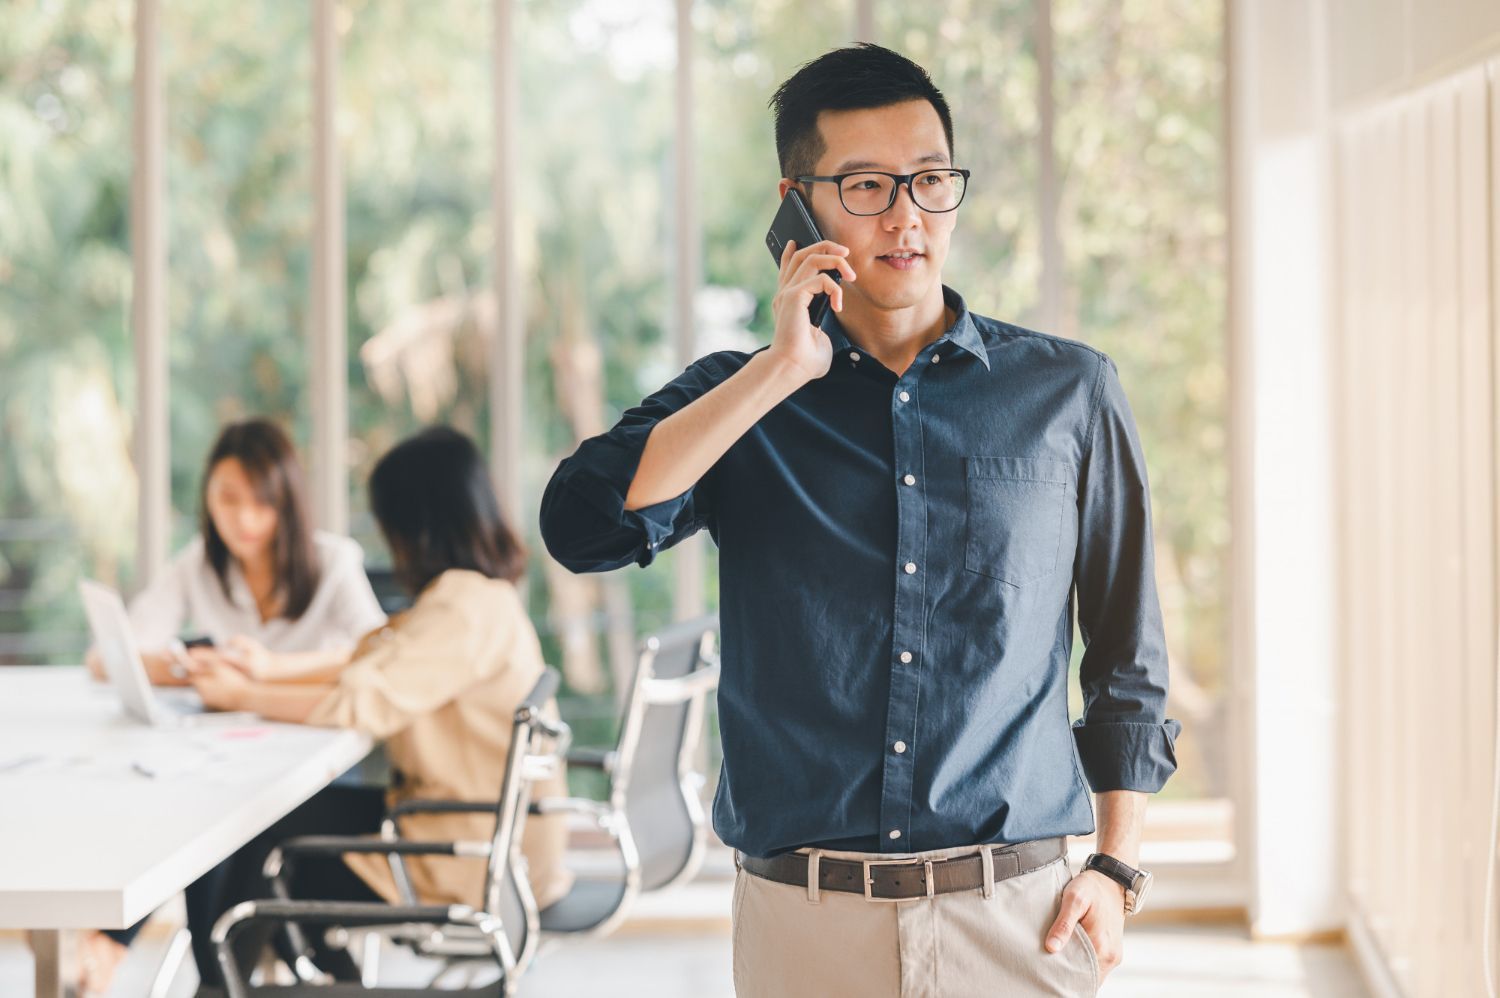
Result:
x=653 y=957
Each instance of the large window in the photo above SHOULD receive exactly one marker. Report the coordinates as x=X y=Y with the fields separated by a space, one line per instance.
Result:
x=1140 y=162
x=418 y=148
x=596 y=252
x=67 y=485
x=239 y=131
x=1112 y=232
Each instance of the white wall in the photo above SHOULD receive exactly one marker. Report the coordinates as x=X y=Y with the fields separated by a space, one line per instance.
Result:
x=1367 y=200
x=1283 y=636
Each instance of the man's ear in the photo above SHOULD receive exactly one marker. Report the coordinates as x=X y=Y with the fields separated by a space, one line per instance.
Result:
x=787 y=183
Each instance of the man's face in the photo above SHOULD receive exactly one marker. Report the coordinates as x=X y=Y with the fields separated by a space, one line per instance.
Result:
x=899 y=138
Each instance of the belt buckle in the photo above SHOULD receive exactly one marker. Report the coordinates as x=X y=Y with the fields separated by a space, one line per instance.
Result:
x=870 y=864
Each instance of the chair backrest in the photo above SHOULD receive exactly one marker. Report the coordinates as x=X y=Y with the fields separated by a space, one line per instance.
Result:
x=536 y=750
x=389 y=593
x=656 y=777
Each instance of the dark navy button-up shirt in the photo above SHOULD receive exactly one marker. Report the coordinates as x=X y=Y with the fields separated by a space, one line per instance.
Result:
x=898 y=558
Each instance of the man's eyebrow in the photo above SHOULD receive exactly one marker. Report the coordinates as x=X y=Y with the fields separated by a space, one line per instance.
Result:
x=850 y=165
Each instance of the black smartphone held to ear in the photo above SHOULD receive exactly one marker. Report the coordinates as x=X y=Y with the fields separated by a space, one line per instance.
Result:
x=793 y=224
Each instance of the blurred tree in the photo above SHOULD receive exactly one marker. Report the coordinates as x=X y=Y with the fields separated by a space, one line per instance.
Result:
x=67 y=487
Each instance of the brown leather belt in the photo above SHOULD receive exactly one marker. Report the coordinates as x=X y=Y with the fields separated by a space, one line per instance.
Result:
x=906 y=879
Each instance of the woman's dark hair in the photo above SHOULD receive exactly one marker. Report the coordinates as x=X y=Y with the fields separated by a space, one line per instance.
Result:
x=432 y=497
x=270 y=462
x=847 y=79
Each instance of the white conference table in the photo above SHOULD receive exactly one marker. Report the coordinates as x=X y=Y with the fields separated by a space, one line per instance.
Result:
x=102 y=819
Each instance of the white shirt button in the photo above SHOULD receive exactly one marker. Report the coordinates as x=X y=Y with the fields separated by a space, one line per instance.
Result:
x=904 y=396
x=895 y=833
x=906 y=656
x=900 y=747
x=936 y=358
x=911 y=568
x=853 y=355
x=910 y=479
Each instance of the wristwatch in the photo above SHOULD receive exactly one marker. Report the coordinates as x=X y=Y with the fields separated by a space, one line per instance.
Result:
x=1136 y=882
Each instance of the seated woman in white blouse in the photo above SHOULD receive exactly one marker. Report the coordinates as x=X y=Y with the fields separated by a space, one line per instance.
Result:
x=258 y=578
x=258 y=581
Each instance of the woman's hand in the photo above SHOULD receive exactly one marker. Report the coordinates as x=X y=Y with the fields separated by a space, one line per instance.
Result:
x=251 y=657
x=167 y=668
x=221 y=685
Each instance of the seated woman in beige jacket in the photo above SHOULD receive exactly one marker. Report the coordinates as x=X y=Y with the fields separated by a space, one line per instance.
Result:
x=439 y=685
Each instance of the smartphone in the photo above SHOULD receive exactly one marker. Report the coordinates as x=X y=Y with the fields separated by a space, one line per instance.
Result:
x=198 y=642
x=793 y=224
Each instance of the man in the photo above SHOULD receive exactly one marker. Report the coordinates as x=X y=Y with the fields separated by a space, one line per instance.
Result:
x=904 y=502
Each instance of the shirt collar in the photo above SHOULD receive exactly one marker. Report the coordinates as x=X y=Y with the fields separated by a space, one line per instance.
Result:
x=835 y=330
x=964 y=334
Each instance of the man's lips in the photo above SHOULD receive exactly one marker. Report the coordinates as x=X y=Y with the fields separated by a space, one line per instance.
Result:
x=902 y=259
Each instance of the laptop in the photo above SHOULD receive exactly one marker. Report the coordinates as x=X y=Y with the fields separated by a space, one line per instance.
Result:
x=115 y=642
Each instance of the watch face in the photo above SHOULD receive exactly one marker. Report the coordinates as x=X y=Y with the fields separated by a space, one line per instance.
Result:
x=1142 y=888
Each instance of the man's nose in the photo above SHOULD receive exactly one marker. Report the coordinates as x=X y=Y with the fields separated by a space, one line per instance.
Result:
x=903 y=212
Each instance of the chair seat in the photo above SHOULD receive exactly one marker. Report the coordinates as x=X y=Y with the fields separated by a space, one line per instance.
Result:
x=588 y=904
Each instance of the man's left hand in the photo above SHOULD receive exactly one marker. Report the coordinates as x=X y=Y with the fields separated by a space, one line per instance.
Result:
x=1098 y=903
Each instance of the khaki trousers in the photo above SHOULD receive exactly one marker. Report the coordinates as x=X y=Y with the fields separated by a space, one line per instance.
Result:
x=787 y=945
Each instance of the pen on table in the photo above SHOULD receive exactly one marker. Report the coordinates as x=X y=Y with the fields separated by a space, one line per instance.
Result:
x=149 y=774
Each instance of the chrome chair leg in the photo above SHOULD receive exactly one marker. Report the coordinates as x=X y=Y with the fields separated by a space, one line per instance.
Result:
x=171 y=962
x=369 y=959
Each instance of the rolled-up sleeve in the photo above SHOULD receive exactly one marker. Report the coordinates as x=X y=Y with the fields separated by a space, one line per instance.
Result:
x=1124 y=739
x=584 y=522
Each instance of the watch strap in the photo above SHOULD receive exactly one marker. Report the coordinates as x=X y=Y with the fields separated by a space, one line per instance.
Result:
x=1121 y=873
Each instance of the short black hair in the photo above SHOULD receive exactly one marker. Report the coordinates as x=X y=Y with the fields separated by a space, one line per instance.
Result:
x=431 y=495
x=847 y=79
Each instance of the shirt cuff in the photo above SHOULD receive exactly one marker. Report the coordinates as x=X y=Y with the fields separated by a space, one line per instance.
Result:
x=1127 y=755
x=601 y=478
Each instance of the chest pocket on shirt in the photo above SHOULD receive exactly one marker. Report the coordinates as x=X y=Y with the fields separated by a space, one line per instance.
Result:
x=1016 y=507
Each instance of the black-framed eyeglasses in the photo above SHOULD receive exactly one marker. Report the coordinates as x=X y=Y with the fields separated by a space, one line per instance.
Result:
x=871 y=192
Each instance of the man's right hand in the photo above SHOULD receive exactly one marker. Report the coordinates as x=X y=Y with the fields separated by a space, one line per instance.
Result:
x=797 y=343
x=682 y=447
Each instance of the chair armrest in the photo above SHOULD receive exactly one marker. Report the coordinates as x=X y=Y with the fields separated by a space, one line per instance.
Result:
x=529 y=711
x=669 y=691
x=592 y=758
x=338 y=845
x=344 y=913
x=543 y=690
x=543 y=806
